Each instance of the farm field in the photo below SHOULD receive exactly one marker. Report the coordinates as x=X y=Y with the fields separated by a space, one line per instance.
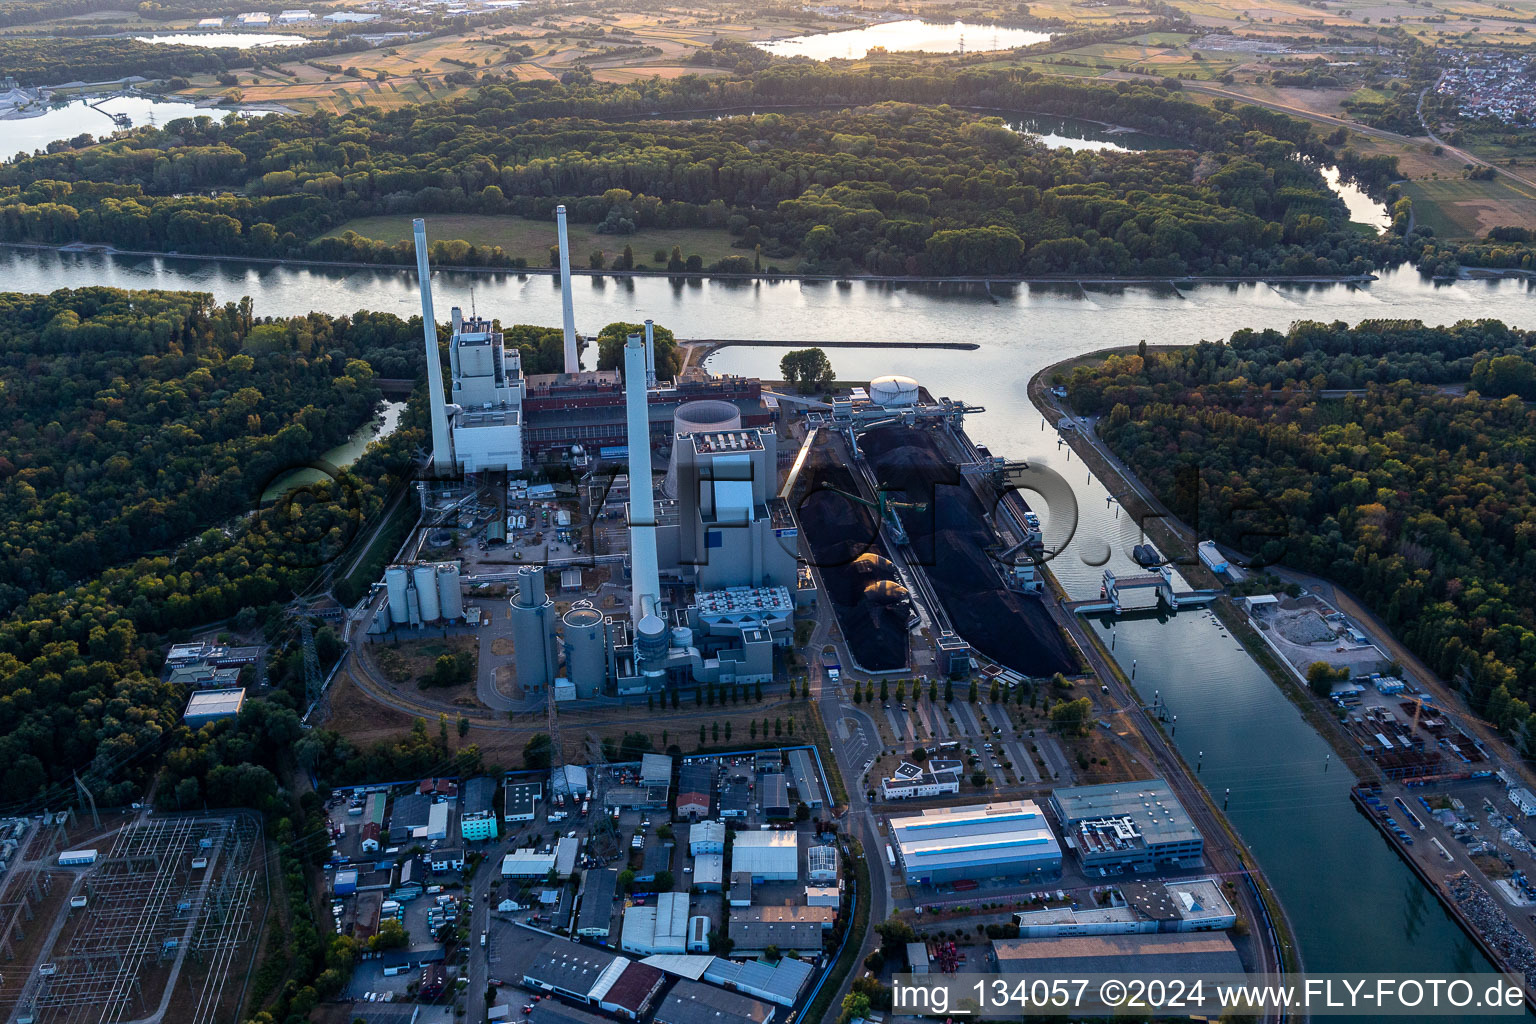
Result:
x=532 y=239
x=1460 y=208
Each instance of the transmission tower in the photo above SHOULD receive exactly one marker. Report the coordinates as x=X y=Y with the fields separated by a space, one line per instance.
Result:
x=89 y=800
x=602 y=834
x=311 y=659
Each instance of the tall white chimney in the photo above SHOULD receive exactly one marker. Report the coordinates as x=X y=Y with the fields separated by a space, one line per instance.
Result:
x=650 y=353
x=645 y=582
x=572 y=357
x=442 y=446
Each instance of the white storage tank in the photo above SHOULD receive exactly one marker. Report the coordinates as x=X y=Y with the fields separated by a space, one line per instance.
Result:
x=397 y=579
x=682 y=637
x=426 y=592
x=450 y=599
x=586 y=649
x=893 y=391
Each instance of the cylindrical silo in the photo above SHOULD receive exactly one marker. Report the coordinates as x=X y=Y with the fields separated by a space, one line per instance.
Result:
x=586 y=650
x=533 y=631
x=397 y=579
x=682 y=637
x=450 y=599
x=426 y=592
x=691 y=418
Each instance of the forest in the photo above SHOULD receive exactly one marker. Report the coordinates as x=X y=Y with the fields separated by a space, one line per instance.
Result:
x=896 y=183
x=1410 y=482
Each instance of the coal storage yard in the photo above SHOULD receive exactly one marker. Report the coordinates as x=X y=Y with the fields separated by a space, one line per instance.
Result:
x=950 y=539
x=846 y=547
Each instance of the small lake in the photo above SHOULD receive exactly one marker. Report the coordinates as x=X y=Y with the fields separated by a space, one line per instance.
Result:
x=1362 y=208
x=235 y=40
x=343 y=455
x=26 y=134
x=1072 y=133
x=902 y=36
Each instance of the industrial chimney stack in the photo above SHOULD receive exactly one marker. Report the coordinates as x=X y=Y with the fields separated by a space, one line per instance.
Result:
x=572 y=356
x=650 y=353
x=645 y=582
x=442 y=447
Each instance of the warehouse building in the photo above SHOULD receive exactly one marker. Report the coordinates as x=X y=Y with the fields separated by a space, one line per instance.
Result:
x=766 y=856
x=527 y=864
x=206 y=706
x=522 y=800
x=695 y=784
x=662 y=928
x=1127 y=826
x=821 y=917
x=597 y=903
x=802 y=770
x=709 y=871
x=1158 y=953
x=756 y=938
x=656 y=778
x=478 y=820
x=773 y=796
x=1009 y=839
x=821 y=864
x=780 y=982
x=706 y=837
x=1187 y=905
x=592 y=977
x=693 y=1003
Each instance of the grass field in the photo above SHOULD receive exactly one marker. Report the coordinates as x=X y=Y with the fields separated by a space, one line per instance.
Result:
x=1458 y=208
x=532 y=239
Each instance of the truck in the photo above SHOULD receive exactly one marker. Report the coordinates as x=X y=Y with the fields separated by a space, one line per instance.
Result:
x=890 y=856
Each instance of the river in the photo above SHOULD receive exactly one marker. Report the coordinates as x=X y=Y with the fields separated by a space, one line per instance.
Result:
x=911 y=34
x=77 y=117
x=1354 y=905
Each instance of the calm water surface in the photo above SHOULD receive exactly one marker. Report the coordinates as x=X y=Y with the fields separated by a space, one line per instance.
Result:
x=236 y=40
x=895 y=36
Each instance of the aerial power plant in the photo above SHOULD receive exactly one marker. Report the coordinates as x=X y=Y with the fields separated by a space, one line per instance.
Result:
x=705 y=579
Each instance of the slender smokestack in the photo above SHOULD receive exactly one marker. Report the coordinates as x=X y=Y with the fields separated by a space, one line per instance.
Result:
x=650 y=353
x=645 y=584
x=442 y=449
x=572 y=357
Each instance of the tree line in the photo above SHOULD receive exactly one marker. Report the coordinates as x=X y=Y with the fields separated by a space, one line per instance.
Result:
x=897 y=184
x=1415 y=497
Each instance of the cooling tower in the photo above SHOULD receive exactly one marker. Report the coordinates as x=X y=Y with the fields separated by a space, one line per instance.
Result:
x=690 y=418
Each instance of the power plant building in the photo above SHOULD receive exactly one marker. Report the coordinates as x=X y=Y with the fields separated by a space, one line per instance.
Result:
x=533 y=631
x=999 y=840
x=1125 y=826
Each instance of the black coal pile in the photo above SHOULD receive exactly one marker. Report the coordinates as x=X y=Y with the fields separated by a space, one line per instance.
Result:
x=845 y=544
x=950 y=538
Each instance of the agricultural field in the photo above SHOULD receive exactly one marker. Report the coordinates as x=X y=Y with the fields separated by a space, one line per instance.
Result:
x=1460 y=208
x=532 y=239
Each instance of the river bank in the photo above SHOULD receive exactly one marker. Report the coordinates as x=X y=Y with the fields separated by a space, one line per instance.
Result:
x=90 y=248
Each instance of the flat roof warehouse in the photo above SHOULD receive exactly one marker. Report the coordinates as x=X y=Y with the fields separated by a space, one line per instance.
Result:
x=1008 y=839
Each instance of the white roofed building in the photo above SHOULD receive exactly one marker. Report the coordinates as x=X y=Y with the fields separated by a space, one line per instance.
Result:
x=772 y=856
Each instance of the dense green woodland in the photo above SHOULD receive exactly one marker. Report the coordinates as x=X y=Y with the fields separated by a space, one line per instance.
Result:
x=1415 y=497
x=139 y=430
x=895 y=184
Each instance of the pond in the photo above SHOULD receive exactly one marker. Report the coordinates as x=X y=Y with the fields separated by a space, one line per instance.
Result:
x=343 y=455
x=902 y=36
x=1075 y=133
x=236 y=40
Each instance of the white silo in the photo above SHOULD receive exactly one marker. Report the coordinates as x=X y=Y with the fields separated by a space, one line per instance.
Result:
x=586 y=649
x=691 y=418
x=397 y=580
x=450 y=599
x=426 y=592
